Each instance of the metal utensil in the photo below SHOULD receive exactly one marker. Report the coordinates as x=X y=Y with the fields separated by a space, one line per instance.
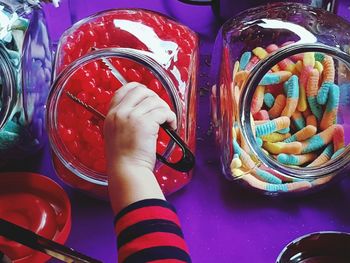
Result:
x=30 y=239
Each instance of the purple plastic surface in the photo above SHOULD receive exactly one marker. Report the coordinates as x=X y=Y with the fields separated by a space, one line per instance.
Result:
x=221 y=222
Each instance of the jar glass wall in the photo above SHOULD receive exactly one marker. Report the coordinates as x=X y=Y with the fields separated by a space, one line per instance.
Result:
x=25 y=79
x=146 y=47
x=281 y=98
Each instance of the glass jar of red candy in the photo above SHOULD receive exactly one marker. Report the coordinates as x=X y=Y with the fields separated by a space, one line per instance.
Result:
x=143 y=46
x=281 y=100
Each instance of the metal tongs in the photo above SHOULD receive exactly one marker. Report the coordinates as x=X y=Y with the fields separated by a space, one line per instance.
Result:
x=30 y=239
x=187 y=161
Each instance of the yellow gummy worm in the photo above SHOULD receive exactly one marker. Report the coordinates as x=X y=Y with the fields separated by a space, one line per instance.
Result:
x=309 y=59
x=319 y=67
x=275 y=137
x=260 y=52
x=282 y=147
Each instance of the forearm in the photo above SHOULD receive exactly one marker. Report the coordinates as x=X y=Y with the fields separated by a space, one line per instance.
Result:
x=128 y=184
x=149 y=230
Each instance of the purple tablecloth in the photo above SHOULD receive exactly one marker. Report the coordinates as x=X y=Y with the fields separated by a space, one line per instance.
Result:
x=222 y=222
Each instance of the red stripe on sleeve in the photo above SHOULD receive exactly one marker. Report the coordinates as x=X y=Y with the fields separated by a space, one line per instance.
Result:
x=145 y=213
x=152 y=240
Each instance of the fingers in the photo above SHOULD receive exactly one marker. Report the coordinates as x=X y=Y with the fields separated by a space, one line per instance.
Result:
x=136 y=101
x=148 y=104
x=124 y=91
x=161 y=116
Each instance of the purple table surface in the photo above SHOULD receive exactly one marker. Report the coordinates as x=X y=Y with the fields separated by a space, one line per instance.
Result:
x=222 y=222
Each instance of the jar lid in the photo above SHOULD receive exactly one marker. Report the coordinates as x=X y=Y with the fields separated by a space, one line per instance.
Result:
x=36 y=203
x=320 y=247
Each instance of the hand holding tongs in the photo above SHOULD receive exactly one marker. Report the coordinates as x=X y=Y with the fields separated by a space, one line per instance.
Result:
x=30 y=239
x=187 y=161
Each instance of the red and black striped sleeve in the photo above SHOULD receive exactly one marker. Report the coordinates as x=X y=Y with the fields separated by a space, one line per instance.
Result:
x=149 y=231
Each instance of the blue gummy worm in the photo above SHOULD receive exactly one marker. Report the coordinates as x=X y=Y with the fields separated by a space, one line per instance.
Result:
x=319 y=57
x=265 y=128
x=315 y=108
x=292 y=138
x=322 y=95
x=299 y=123
x=344 y=94
x=270 y=79
x=284 y=131
x=292 y=86
x=328 y=151
x=277 y=187
x=337 y=153
x=236 y=148
x=313 y=144
x=8 y=139
x=269 y=100
x=333 y=98
x=245 y=58
x=268 y=177
x=259 y=141
x=288 y=159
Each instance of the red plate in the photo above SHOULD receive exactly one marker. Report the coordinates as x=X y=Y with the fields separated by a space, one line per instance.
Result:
x=37 y=203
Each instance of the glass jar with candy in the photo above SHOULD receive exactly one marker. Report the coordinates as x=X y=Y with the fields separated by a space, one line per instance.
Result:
x=141 y=46
x=281 y=100
x=25 y=76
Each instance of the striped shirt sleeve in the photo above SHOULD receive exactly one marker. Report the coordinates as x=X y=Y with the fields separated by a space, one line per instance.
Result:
x=150 y=231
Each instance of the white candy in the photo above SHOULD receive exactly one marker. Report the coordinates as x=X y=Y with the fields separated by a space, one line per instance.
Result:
x=56 y=3
x=36 y=2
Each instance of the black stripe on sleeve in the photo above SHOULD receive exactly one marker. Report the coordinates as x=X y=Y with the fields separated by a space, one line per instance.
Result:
x=157 y=253
x=147 y=227
x=143 y=203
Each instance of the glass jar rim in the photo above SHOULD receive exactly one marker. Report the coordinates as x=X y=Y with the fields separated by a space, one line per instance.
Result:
x=59 y=83
x=8 y=91
x=331 y=236
x=244 y=122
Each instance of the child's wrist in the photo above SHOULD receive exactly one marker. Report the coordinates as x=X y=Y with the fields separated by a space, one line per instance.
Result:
x=126 y=166
x=128 y=184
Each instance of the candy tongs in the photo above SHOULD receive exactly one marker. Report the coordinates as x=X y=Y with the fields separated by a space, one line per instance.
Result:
x=30 y=239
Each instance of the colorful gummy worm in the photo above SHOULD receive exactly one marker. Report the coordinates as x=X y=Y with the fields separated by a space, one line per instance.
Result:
x=294 y=116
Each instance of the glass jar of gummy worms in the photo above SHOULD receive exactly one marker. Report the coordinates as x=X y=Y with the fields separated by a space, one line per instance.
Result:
x=281 y=99
x=141 y=45
x=25 y=76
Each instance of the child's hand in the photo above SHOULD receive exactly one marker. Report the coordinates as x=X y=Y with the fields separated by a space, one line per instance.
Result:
x=131 y=127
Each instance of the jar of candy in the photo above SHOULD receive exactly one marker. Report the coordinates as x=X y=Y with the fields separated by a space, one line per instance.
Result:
x=25 y=75
x=225 y=9
x=141 y=46
x=281 y=99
